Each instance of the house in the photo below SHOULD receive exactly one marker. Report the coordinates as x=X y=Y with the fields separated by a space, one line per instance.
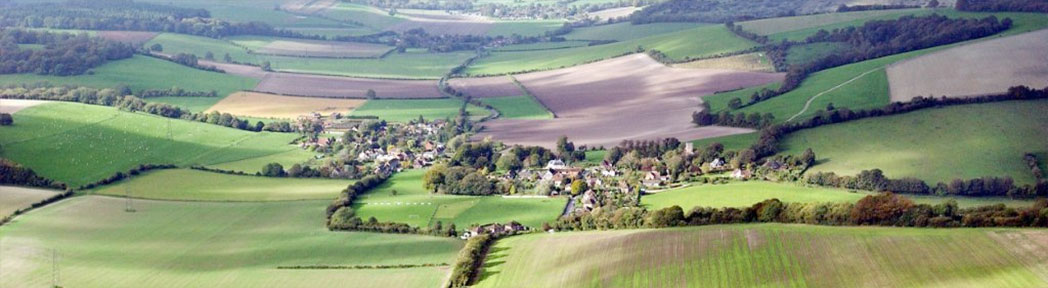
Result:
x=689 y=149
x=556 y=164
x=589 y=200
x=717 y=163
x=740 y=174
x=494 y=229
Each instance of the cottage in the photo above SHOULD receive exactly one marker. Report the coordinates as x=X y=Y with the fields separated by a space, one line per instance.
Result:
x=589 y=200
x=556 y=164
x=717 y=163
x=740 y=174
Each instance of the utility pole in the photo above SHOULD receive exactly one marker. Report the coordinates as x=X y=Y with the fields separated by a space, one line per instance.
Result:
x=54 y=268
x=128 y=205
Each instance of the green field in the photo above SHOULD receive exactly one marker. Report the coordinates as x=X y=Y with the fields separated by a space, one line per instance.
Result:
x=524 y=28
x=417 y=207
x=366 y=15
x=679 y=45
x=143 y=72
x=204 y=244
x=745 y=194
x=410 y=65
x=195 y=185
x=542 y=46
x=252 y=165
x=770 y=255
x=519 y=107
x=13 y=198
x=731 y=143
x=935 y=145
x=627 y=31
x=774 y=26
x=400 y=110
x=79 y=144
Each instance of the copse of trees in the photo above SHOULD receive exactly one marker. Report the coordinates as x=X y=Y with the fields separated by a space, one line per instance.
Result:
x=874 y=180
x=12 y=173
x=1002 y=5
x=350 y=194
x=460 y=180
x=467 y=265
x=126 y=15
x=63 y=54
x=885 y=209
x=854 y=8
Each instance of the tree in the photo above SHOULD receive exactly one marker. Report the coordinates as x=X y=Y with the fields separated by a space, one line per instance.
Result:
x=266 y=66
x=961 y=5
x=209 y=56
x=156 y=48
x=808 y=158
x=735 y=103
x=227 y=58
x=509 y=162
x=273 y=170
x=6 y=120
x=371 y=95
x=578 y=187
x=565 y=148
x=933 y=4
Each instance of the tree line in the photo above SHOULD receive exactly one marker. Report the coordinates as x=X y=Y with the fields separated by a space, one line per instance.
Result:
x=119 y=175
x=63 y=54
x=467 y=265
x=1002 y=5
x=12 y=173
x=874 y=180
x=885 y=209
x=125 y=15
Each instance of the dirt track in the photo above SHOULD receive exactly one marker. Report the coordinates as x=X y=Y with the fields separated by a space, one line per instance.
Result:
x=10 y=106
x=631 y=97
x=982 y=68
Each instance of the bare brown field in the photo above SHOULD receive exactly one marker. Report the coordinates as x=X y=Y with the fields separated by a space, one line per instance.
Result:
x=443 y=23
x=486 y=87
x=346 y=87
x=13 y=198
x=308 y=6
x=753 y=62
x=275 y=106
x=982 y=68
x=646 y=101
x=332 y=49
x=11 y=106
x=131 y=37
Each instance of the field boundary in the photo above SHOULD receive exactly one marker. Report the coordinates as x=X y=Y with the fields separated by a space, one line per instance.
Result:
x=529 y=94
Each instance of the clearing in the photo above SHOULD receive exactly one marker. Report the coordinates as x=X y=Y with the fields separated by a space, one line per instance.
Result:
x=934 y=145
x=79 y=144
x=413 y=205
x=196 y=185
x=772 y=255
x=518 y=107
x=285 y=107
x=597 y=108
x=987 y=67
x=206 y=244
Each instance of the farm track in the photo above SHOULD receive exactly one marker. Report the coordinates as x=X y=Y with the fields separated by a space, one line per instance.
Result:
x=845 y=83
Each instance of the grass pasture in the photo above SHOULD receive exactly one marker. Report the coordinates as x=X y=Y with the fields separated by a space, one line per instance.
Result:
x=207 y=244
x=935 y=145
x=265 y=105
x=416 y=206
x=519 y=107
x=770 y=255
x=252 y=165
x=773 y=26
x=396 y=110
x=79 y=144
x=195 y=185
x=143 y=72
x=627 y=31
x=679 y=45
x=13 y=198
x=745 y=194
